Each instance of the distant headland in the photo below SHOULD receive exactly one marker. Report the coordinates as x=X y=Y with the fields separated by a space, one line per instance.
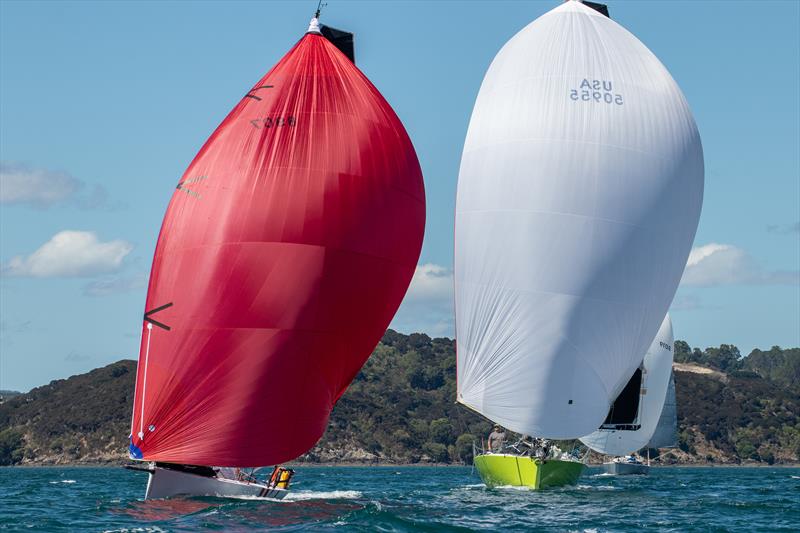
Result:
x=732 y=410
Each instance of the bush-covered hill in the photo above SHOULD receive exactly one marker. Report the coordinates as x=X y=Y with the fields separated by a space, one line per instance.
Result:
x=81 y=419
x=738 y=417
x=401 y=408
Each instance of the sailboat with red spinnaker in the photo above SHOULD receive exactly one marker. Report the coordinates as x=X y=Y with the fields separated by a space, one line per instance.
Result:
x=285 y=251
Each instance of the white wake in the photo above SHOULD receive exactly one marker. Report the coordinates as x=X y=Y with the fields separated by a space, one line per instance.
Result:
x=322 y=495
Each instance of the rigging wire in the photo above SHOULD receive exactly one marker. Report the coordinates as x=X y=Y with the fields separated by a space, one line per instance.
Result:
x=320 y=5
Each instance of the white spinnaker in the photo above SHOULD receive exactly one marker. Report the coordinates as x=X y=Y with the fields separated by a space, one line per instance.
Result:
x=574 y=220
x=655 y=381
x=666 y=433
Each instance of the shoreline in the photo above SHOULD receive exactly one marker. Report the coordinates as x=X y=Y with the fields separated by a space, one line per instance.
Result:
x=403 y=465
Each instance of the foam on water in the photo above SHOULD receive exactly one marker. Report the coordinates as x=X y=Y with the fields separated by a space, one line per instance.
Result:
x=63 y=481
x=136 y=530
x=597 y=487
x=513 y=487
x=303 y=495
x=474 y=486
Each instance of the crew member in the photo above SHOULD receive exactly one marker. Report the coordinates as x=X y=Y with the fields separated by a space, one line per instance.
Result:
x=497 y=439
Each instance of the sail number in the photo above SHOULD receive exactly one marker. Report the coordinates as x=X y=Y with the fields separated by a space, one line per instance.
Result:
x=273 y=122
x=665 y=346
x=595 y=91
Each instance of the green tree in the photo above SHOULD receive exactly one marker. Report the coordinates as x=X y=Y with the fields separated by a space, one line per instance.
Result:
x=437 y=452
x=419 y=428
x=778 y=365
x=683 y=352
x=745 y=443
x=726 y=358
x=11 y=444
x=402 y=437
x=464 y=447
x=441 y=431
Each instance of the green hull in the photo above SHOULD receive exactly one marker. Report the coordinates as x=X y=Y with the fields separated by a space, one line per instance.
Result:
x=498 y=469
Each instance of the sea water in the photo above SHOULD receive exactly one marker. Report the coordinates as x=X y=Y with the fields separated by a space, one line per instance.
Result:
x=410 y=499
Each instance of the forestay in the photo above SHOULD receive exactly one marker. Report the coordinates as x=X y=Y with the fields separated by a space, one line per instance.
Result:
x=579 y=194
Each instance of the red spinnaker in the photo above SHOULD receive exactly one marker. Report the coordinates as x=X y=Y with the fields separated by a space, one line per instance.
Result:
x=285 y=251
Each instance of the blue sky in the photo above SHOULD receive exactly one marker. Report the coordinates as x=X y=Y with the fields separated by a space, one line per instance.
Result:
x=104 y=104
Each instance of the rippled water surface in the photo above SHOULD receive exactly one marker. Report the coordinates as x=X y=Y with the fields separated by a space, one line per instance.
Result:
x=411 y=499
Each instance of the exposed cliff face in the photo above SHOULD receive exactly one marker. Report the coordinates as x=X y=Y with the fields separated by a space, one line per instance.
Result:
x=401 y=409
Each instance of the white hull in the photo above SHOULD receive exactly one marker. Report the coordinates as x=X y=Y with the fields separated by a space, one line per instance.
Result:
x=166 y=483
x=625 y=469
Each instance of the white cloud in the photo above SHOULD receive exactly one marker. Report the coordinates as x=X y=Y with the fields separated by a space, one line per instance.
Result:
x=428 y=305
x=431 y=283
x=114 y=285
x=20 y=184
x=784 y=229
x=71 y=254
x=688 y=302
x=17 y=327
x=75 y=357
x=725 y=264
x=42 y=188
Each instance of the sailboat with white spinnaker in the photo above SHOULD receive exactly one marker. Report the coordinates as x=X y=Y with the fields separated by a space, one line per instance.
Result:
x=579 y=194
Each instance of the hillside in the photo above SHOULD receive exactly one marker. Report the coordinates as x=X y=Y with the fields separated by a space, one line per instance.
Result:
x=81 y=419
x=400 y=409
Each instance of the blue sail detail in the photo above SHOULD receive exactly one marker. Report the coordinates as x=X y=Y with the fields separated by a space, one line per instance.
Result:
x=134 y=451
